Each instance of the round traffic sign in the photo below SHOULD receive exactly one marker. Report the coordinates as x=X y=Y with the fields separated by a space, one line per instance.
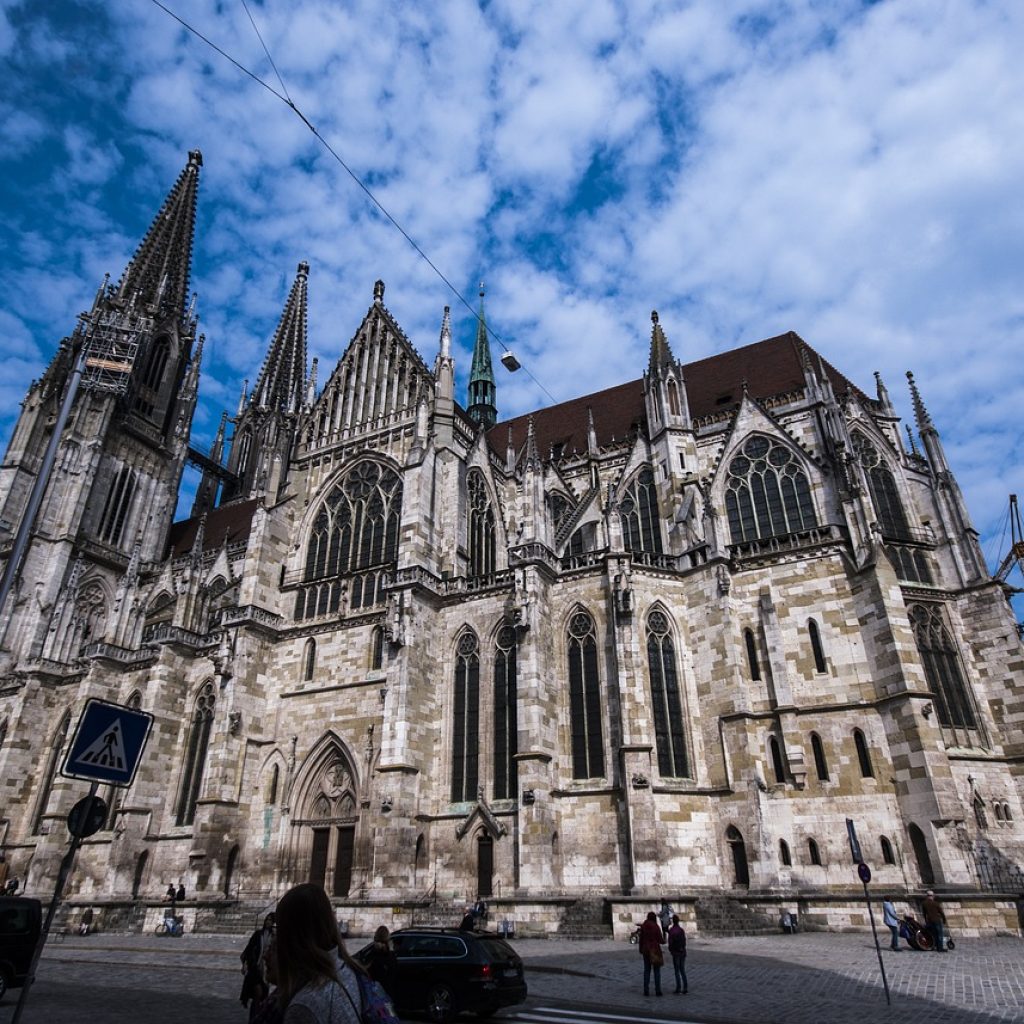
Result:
x=864 y=872
x=87 y=817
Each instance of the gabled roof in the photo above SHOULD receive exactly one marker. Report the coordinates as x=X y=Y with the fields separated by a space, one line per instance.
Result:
x=231 y=522
x=770 y=367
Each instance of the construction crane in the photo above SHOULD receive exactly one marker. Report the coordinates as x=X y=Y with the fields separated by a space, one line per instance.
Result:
x=1015 y=557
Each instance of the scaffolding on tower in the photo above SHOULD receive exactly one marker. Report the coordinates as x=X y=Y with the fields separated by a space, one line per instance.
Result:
x=110 y=340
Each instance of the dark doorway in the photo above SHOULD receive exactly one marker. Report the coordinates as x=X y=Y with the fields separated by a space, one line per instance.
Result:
x=739 y=855
x=924 y=860
x=484 y=865
x=318 y=861
x=343 y=861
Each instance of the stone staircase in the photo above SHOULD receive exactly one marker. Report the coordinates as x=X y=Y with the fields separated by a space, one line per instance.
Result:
x=721 y=915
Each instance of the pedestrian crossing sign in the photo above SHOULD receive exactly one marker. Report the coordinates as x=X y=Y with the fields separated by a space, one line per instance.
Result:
x=108 y=743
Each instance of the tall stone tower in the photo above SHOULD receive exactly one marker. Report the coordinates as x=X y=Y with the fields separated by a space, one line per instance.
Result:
x=112 y=494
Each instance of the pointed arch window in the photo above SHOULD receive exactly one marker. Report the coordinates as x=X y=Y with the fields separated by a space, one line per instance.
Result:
x=942 y=668
x=673 y=397
x=309 y=660
x=584 y=699
x=885 y=496
x=158 y=356
x=466 y=718
x=638 y=509
x=481 y=526
x=815 y=853
x=820 y=764
x=244 y=449
x=195 y=754
x=887 y=854
x=767 y=493
x=784 y=855
x=355 y=532
x=753 y=664
x=505 y=715
x=50 y=771
x=115 y=508
x=778 y=762
x=275 y=776
x=816 y=649
x=377 y=648
x=3 y=733
x=666 y=699
x=867 y=770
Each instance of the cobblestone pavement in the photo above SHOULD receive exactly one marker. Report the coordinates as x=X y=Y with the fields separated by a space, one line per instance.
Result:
x=802 y=979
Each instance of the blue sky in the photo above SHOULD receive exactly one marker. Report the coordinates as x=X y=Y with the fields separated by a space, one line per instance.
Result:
x=850 y=171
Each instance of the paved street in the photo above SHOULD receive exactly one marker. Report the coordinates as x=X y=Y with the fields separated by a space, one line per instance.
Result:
x=812 y=978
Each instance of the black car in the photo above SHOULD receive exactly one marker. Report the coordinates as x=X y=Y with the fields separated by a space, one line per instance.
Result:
x=20 y=922
x=443 y=972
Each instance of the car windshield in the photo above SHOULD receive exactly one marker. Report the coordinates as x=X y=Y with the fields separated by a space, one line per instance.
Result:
x=15 y=920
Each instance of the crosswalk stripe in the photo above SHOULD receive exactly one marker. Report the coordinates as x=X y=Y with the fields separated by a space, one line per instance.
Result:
x=557 y=1015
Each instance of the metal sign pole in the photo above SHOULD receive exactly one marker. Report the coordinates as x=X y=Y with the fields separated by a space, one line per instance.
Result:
x=58 y=891
x=874 y=932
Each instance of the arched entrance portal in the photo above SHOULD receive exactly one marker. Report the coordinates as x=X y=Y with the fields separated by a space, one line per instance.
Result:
x=924 y=860
x=328 y=823
x=484 y=865
x=741 y=872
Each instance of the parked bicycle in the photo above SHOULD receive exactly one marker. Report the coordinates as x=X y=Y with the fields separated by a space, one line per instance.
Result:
x=173 y=926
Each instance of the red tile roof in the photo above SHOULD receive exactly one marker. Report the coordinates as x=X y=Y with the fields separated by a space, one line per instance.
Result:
x=233 y=521
x=770 y=367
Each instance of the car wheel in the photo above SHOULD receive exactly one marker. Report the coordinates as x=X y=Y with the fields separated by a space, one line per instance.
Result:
x=441 y=1004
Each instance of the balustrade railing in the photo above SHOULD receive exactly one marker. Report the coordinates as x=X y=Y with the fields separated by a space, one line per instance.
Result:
x=122 y=655
x=815 y=537
x=166 y=633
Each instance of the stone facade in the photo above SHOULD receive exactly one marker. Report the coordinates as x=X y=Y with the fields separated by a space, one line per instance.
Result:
x=662 y=639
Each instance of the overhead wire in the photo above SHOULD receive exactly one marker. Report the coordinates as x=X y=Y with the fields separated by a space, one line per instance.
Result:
x=288 y=102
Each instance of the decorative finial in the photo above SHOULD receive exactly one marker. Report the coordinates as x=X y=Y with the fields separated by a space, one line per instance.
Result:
x=195 y=158
x=378 y=292
x=654 y=316
x=303 y=270
x=481 y=289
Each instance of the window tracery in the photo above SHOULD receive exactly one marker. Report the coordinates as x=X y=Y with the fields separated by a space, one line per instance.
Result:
x=942 y=667
x=481 y=527
x=195 y=754
x=767 y=492
x=666 y=699
x=466 y=719
x=584 y=699
x=638 y=510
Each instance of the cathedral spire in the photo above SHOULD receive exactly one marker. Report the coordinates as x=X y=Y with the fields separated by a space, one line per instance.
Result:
x=482 y=406
x=923 y=420
x=282 y=381
x=158 y=274
x=661 y=353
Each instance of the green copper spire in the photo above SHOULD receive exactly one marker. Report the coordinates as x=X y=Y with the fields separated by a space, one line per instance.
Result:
x=481 y=378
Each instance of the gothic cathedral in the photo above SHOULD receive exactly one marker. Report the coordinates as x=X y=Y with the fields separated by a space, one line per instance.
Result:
x=660 y=640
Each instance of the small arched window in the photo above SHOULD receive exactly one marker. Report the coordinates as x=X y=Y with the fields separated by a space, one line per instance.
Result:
x=778 y=764
x=195 y=754
x=1007 y=816
x=815 y=853
x=999 y=811
x=3 y=732
x=784 y=855
x=272 y=786
x=979 y=811
x=863 y=756
x=767 y=493
x=752 y=661
x=820 y=764
x=816 y=648
x=377 y=648
x=309 y=660
x=887 y=854
x=673 y=397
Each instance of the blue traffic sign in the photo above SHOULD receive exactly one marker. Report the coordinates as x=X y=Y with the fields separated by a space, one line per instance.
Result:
x=108 y=743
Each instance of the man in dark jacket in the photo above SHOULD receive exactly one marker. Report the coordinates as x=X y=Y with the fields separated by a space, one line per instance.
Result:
x=935 y=920
x=677 y=947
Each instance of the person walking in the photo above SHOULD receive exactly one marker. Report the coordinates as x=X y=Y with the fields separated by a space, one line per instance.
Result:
x=665 y=916
x=468 y=922
x=935 y=920
x=891 y=920
x=317 y=980
x=86 y=926
x=677 y=949
x=651 y=939
x=255 y=986
x=383 y=965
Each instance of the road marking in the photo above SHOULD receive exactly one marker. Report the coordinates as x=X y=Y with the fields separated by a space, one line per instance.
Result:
x=555 y=1015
